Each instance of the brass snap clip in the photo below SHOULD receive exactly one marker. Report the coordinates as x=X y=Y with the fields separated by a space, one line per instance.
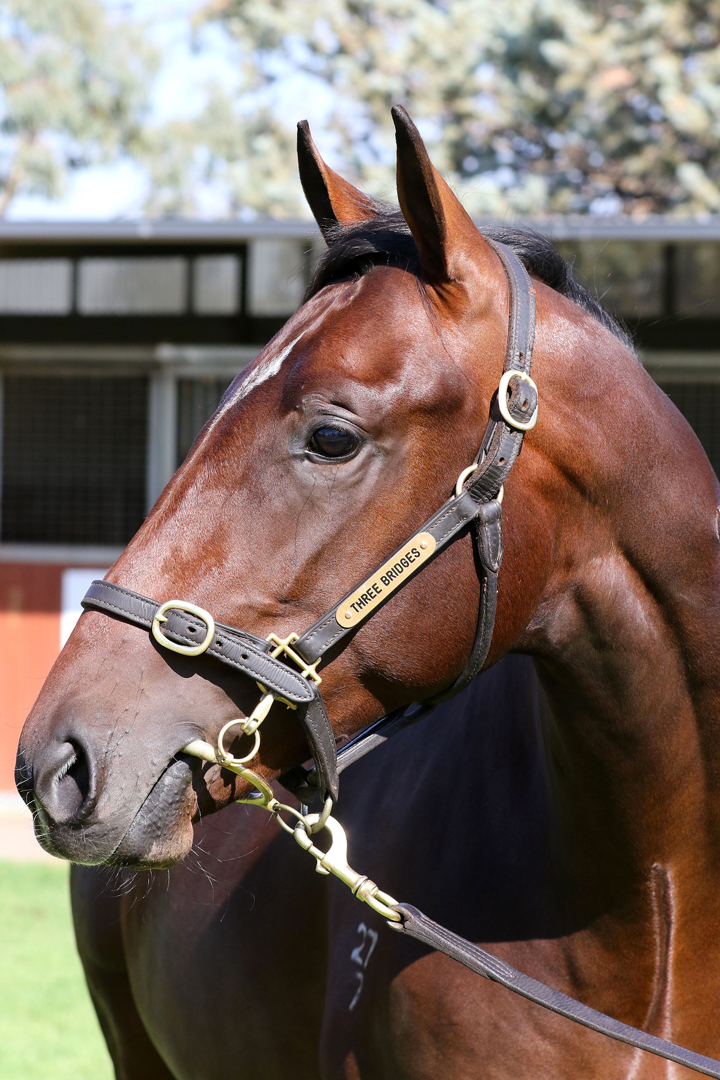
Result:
x=190 y=609
x=334 y=861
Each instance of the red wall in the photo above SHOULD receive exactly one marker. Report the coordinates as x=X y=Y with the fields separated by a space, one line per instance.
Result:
x=29 y=644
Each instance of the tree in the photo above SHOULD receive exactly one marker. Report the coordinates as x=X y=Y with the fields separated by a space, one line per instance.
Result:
x=75 y=85
x=532 y=106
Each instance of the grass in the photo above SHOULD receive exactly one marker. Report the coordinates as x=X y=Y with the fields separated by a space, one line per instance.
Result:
x=48 y=1029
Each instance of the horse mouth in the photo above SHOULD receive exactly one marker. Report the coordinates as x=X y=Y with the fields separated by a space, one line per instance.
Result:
x=161 y=833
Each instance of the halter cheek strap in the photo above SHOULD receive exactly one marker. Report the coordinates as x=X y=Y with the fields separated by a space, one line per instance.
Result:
x=476 y=504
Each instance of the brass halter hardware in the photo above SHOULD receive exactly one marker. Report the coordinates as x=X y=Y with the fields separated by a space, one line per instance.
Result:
x=284 y=645
x=191 y=609
x=519 y=425
x=249 y=725
x=468 y=472
x=334 y=861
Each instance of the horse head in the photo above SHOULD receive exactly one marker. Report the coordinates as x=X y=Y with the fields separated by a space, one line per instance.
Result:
x=347 y=432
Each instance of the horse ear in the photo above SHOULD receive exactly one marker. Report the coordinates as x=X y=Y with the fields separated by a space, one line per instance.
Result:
x=443 y=230
x=333 y=201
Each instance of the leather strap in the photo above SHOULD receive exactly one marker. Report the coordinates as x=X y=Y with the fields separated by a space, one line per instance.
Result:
x=444 y=526
x=238 y=650
x=488 y=545
x=243 y=652
x=521 y=320
x=417 y=925
x=501 y=443
x=321 y=737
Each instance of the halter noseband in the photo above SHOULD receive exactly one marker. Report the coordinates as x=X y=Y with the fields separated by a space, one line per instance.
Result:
x=187 y=629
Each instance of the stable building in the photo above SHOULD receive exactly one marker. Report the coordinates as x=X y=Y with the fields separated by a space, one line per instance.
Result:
x=118 y=340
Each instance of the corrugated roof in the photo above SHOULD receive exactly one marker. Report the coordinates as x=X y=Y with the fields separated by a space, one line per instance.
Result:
x=174 y=231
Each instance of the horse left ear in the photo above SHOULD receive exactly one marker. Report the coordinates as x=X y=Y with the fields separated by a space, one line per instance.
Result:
x=443 y=230
x=333 y=201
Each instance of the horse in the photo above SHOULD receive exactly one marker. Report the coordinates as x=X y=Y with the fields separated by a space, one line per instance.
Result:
x=563 y=809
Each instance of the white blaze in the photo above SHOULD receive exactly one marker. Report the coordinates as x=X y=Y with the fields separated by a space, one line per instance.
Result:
x=269 y=367
x=266 y=370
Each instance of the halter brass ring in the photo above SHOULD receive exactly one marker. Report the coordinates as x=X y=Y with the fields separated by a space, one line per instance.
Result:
x=191 y=609
x=228 y=759
x=464 y=475
x=519 y=425
x=468 y=472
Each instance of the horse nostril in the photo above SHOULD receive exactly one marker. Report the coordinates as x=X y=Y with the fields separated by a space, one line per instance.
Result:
x=63 y=790
x=72 y=783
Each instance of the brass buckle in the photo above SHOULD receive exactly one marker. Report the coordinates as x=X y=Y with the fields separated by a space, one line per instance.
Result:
x=282 y=645
x=519 y=425
x=191 y=609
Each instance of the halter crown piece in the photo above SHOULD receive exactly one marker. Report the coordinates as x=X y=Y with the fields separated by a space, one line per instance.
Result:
x=476 y=503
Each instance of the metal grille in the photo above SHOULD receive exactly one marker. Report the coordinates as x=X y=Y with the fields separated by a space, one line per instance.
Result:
x=699 y=402
x=74 y=453
x=197 y=401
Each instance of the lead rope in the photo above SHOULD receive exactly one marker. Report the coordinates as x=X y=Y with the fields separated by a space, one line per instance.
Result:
x=406 y=919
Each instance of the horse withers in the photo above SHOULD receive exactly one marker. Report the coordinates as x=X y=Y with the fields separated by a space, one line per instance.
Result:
x=573 y=826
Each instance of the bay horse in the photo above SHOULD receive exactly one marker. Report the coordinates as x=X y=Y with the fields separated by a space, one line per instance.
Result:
x=563 y=809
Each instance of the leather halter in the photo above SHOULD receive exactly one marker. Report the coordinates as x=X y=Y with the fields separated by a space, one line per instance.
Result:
x=476 y=504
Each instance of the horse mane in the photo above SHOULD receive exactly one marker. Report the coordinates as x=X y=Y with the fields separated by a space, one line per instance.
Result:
x=386 y=240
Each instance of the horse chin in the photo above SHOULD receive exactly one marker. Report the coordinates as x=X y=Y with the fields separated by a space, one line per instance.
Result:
x=161 y=833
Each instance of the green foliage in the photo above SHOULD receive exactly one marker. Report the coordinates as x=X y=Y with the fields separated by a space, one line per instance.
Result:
x=534 y=106
x=74 y=86
x=47 y=1024
x=528 y=106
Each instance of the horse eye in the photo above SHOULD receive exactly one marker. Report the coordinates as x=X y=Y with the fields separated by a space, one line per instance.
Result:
x=333 y=442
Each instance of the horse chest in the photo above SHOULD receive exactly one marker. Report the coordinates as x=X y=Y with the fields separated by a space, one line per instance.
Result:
x=392 y=1015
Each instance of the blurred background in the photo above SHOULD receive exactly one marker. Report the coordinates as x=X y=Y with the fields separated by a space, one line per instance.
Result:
x=153 y=236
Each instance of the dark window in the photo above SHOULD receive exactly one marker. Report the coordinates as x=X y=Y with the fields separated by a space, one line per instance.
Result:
x=697 y=280
x=74 y=453
x=699 y=402
x=197 y=401
x=625 y=276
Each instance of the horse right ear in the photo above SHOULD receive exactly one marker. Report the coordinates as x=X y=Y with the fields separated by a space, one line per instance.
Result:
x=447 y=239
x=333 y=201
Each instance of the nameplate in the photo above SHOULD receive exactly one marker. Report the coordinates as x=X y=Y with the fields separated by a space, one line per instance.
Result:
x=386 y=580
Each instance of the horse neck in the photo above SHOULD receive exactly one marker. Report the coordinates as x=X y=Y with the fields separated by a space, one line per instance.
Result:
x=625 y=644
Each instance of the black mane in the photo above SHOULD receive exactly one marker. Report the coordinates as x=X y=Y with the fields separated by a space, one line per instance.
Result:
x=386 y=240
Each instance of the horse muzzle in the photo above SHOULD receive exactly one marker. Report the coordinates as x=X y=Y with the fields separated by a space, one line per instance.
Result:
x=61 y=784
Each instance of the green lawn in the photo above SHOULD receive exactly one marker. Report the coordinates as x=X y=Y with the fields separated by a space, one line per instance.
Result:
x=48 y=1029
